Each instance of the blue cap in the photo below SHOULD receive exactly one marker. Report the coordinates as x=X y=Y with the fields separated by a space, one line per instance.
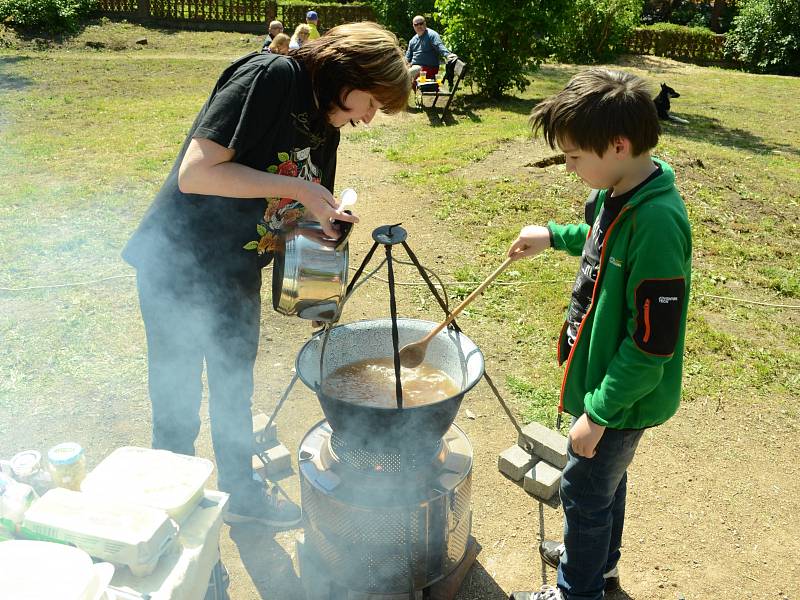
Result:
x=312 y=16
x=65 y=454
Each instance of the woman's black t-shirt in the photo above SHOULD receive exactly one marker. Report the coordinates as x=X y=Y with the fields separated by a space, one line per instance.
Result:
x=263 y=108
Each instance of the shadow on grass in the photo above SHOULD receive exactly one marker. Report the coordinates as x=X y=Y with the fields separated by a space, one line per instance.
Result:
x=711 y=130
x=513 y=104
x=466 y=106
x=436 y=119
x=10 y=82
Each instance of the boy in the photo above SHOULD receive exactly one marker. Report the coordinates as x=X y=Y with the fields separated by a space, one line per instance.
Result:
x=623 y=335
x=312 y=20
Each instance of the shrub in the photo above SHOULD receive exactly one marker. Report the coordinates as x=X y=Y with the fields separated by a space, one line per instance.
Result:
x=396 y=15
x=596 y=30
x=765 y=36
x=695 y=44
x=52 y=16
x=499 y=40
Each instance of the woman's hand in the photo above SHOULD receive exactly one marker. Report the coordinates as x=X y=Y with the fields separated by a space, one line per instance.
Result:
x=208 y=168
x=532 y=240
x=322 y=205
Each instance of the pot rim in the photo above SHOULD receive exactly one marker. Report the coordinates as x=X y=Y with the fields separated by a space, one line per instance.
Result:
x=469 y=385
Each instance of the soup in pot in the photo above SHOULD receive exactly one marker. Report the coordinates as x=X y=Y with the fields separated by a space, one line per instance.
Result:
x=371 y=383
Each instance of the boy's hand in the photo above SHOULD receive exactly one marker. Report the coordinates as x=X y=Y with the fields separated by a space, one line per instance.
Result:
x=532 y=240
x=584 y=436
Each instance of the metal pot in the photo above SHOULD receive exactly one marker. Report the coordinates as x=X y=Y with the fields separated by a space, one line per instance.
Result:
x=309 y=274
x=373 y=426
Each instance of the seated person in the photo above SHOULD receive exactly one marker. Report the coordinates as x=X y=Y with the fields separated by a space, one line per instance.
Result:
x=424 y=50
x=275 y=27
x=312 y=20
x=280 y=45
x=299 y=37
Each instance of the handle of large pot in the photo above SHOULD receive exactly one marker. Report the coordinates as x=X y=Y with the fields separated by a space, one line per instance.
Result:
x=345 y=229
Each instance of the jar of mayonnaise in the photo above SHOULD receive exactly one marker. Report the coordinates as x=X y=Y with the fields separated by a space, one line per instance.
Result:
x=67 y=465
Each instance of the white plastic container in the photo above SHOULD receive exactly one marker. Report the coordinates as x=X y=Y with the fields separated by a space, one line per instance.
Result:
x=42 y=570
x=126 y=534
x=157 y=478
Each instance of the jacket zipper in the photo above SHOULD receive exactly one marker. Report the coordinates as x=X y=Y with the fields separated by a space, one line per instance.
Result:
x=591 y=306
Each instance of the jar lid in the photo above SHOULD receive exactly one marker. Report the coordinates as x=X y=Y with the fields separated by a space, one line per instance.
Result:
x=65 y=454
x=26 y=463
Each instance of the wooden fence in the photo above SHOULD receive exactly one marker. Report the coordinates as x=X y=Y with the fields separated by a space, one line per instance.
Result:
x=329 y=16
x=249 y=16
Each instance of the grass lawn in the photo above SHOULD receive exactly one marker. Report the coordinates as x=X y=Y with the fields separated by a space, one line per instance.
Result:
x=87 y=136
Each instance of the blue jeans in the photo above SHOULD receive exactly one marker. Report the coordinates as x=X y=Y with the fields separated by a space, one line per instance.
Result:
x=188 y=324
x=593 y=497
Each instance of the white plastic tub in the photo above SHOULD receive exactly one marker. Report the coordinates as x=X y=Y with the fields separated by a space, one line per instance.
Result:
x=157 y=478
x=35 y=570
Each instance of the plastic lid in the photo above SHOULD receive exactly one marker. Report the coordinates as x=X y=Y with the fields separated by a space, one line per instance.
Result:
x=65 y=454
x=26 y=463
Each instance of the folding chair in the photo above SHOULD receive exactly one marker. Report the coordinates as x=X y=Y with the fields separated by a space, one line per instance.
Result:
x=459 y=71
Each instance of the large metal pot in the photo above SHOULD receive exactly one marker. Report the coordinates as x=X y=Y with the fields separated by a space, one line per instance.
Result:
x=399 y=428
x=309 y=274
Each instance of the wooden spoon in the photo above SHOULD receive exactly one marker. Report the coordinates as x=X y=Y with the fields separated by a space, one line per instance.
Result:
x=412 y=355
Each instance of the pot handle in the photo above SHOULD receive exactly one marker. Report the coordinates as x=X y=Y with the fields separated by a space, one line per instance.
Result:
x=345 y=229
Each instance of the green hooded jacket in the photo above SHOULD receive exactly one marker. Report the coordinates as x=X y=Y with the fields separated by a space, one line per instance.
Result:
x=625 y=367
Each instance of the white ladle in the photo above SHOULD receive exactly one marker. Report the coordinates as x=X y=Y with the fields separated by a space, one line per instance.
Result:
x=347 y=198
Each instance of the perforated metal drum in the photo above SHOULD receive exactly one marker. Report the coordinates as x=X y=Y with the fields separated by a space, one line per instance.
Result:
x=380 y=522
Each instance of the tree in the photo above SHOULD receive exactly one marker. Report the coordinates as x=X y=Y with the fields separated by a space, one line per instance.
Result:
x=716 y=15
x=500 y=40
x=765 y=36
x=396 y=15
x=595 y=30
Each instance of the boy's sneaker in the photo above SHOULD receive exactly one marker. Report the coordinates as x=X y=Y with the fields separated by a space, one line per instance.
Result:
x=551 y=552
x=548 y=592
x=270 y=508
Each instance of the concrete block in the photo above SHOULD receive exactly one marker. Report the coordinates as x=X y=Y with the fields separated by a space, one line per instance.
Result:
x=515 y=462
x=545 y=443
x=542 y=480
x=259 y=468
x=278 y=460
x=261 y=439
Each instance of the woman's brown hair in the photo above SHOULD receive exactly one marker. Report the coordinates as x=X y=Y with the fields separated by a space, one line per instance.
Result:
x=357 y=56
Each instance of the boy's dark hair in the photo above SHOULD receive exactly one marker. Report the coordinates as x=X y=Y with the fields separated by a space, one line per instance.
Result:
x=596 y=107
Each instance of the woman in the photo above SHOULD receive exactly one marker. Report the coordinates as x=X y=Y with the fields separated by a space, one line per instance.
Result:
x=261 y=153
x=299 y=37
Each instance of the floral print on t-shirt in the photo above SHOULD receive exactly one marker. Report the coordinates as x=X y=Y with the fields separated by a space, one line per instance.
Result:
x=282 y=212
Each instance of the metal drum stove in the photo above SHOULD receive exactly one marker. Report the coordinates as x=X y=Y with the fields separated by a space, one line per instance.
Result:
x=386 y=491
